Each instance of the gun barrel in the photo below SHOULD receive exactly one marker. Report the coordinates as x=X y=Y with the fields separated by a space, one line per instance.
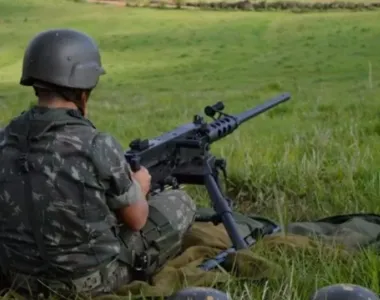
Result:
x=226 y=125
x=245 y=116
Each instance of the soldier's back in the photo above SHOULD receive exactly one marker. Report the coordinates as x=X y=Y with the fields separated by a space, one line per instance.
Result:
x=54 y=187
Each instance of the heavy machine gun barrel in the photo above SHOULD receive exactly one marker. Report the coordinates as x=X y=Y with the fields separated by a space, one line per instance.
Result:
x=228 y=123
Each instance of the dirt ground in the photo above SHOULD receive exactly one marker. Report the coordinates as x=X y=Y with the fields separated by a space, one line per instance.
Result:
x=110 y=2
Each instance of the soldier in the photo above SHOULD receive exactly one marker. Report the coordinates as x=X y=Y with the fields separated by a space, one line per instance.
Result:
x=73 y=217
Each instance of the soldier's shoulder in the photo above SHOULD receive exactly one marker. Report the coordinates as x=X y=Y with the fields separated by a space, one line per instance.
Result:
x=20 y=117
x=76 y=135
x=106 y=150
x=106 y=141
x=16 y=119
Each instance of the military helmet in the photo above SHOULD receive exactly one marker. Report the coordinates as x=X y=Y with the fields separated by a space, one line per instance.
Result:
x=62 y=57
x=199 y=293
x=344 y=291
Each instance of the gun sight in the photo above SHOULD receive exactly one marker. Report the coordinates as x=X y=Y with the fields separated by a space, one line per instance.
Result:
x=211 y=110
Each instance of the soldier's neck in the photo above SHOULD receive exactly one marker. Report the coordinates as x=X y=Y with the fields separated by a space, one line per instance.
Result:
x=56 y=103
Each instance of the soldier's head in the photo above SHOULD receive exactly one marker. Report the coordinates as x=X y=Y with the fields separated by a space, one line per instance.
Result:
x=199 y=293
x=344 y=292
x=63 y=66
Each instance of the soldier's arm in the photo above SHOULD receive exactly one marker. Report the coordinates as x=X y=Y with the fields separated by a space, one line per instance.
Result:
x=124 y=194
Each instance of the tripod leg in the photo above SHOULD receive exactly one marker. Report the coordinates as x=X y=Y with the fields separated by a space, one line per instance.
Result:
x=224 y=211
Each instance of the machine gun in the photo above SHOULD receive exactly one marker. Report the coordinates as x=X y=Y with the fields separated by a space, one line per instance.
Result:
x=182 y=156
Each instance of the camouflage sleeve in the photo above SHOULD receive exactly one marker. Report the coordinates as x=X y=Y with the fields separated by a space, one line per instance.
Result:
x=115 y=172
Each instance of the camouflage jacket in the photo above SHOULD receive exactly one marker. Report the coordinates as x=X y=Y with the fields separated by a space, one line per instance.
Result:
x=61 y=193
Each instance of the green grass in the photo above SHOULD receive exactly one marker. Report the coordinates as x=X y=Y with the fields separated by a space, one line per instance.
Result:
x=314 y=156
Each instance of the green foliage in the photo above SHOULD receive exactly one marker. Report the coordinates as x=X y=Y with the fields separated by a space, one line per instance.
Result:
x=314 y=156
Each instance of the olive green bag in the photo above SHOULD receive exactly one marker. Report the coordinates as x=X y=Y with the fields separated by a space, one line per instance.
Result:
x=353 y=231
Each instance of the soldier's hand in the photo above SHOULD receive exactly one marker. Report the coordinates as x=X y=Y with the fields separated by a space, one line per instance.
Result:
x=143 y=177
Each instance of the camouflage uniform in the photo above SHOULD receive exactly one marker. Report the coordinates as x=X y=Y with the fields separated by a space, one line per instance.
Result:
x=60 y=182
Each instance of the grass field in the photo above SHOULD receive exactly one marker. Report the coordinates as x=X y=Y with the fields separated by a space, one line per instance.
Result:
x=315 y=156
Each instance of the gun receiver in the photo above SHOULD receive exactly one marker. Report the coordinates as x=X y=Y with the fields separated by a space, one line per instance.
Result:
x=182 y=156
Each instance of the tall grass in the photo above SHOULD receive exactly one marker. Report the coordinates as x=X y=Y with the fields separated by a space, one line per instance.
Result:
x=314 y=156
